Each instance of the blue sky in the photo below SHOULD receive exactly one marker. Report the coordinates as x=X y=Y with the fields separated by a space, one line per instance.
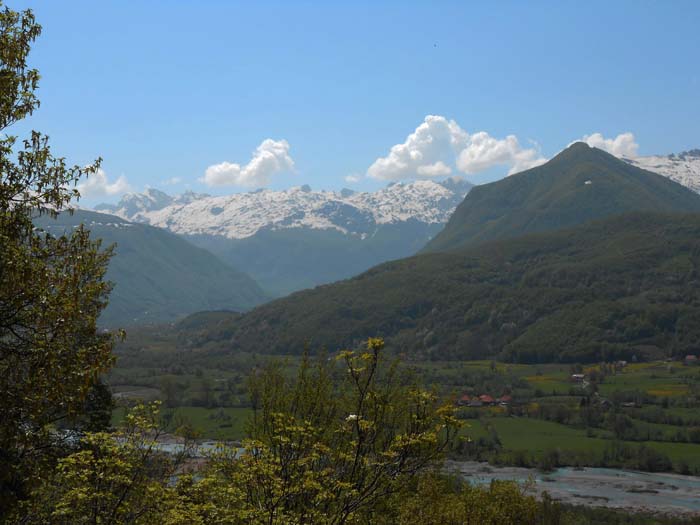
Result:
x=163 y=90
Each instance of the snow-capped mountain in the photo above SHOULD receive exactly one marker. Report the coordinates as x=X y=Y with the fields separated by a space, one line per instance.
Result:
x=134 y=206
x=244 y=214
x=298 y=238
x=683 y=168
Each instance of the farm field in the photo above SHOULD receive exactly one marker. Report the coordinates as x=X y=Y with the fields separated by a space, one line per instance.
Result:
x=225 y=424
x=537 y=437
x=652 y=405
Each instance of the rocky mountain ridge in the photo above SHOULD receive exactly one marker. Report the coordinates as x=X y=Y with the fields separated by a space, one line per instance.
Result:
x=242 y=215
x=684 y=167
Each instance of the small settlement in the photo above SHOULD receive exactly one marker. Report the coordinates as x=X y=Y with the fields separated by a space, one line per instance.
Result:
x=484 y=400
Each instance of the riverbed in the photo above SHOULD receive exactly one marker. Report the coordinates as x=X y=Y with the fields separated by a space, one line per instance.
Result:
x=622 y=489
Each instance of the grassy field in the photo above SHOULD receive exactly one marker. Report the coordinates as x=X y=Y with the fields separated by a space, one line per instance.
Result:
x=226 y=424
x=208 y=392
x=658 y=379
x=537 y=437
x=212 y=423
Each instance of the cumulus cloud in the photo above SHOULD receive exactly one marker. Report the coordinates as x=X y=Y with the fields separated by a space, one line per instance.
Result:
x=423 y=153
x=485 y=151
x=98 y=185
x=353 y=178
x=438 y=143
x=269 y=158
x=624 y=145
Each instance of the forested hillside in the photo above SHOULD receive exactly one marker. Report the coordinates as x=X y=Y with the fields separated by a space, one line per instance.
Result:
x=623 y=287
x=157 y=275
x=578 y=185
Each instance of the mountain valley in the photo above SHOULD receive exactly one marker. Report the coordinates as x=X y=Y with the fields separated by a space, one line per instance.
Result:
x=158 y=276
x=299 y=238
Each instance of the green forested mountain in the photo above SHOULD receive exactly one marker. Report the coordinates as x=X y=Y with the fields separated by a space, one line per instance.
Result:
x=624 y=286
x=578 y=185
x=159 y=276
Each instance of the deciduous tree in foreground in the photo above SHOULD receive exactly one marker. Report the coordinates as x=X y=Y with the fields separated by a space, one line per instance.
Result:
x=330 y=446
x=51 y=288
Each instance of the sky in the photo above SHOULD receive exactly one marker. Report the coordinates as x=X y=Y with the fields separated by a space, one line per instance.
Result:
x=220 y=96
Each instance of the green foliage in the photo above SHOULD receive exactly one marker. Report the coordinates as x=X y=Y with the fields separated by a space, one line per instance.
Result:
x=308 y=462
x=580 y=515
x=327 y=449
x=578 y=185
x=118 y=477
x=52 y=289
x=97 y=409
x=439 y=500
x=599 y=292
x=329 y=446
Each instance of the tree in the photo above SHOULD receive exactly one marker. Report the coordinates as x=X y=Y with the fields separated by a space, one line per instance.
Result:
x=344 y=441
x=120 y=477
x=328 y=446
x=52 y=288
x=436 y=499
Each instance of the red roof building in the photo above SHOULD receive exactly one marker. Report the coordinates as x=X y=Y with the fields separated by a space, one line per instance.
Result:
x=464 y=400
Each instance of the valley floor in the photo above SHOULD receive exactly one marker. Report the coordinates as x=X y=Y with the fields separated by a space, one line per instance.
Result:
x=670 y=494
x=584 y=441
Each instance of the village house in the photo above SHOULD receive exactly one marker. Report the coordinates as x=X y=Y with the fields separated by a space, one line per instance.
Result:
x=483 y=400
x=504 y=401
x=487 y=399
x=464 y=400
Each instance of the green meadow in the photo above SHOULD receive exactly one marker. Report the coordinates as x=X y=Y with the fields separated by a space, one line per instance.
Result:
x=208 y=394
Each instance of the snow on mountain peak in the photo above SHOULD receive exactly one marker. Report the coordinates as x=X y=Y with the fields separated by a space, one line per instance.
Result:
x=244 y=214
x=135 y=206
x=683 y=168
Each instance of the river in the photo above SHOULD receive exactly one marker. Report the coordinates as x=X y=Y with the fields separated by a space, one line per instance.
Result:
x=623 y=489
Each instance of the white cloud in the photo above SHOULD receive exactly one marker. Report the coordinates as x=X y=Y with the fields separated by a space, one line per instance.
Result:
x=269 y=158
x=624 y=145
x=98 y=185
x=424 y=152
x=353 y=178
x=485 y=151
x=438 y=143
x=172 y=181
x=438 y=169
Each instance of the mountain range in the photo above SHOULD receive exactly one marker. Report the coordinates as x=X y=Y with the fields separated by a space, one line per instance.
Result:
x=618 y=286
x=684 y=168
x=579 y=184
x=299 y=238
x=158 y=276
